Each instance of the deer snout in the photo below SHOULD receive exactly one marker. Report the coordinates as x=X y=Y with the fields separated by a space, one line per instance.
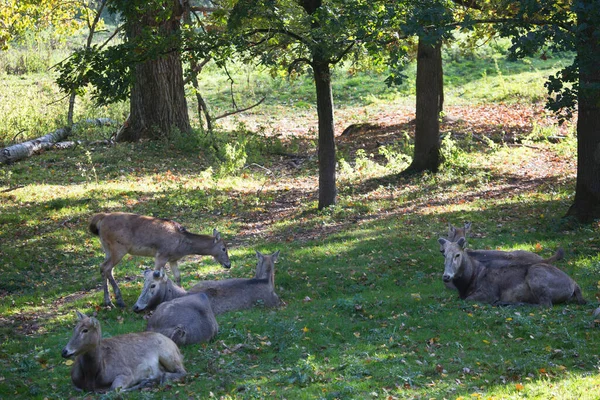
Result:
x=446 y=278
x=66 y=353
x=137 y=309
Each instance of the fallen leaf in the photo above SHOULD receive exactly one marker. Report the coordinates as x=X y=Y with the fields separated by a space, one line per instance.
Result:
x=519 y=387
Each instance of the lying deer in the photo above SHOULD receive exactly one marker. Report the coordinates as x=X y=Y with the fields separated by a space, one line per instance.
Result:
x=497 y=258
x=185 y=320
x=520 y=282
x=165 y=240
x=124 y=362
x=224 y=295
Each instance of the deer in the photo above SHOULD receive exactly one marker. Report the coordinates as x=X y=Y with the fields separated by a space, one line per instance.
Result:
x=185 y=320
x=224 y=295
x=138 y=235
x=514 y=283
x=125 y=362
x=497 y=258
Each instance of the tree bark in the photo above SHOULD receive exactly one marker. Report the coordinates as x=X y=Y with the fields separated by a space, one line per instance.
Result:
x=327 y=184
x=429 y=101
x=157 y=101
x=586 y=205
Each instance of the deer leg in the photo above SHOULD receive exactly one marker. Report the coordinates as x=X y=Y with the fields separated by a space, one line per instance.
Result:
x=113 y=257
x=159 y=262
x=116 y=289
x=106 y=266
x=123 y=383
x=176 y=273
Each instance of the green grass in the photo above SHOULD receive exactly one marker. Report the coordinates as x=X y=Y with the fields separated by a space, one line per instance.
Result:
x=366 y=313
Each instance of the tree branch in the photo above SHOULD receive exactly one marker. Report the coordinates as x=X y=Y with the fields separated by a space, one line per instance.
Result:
x=237 y=111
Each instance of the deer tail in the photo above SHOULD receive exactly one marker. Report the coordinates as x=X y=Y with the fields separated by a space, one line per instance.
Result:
x=559 y=255
x=94 y=223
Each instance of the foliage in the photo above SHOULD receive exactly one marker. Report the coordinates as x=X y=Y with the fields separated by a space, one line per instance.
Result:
x=21 y=17
x=556 y=27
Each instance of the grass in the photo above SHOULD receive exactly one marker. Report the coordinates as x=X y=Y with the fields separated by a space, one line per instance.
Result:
x=367 y=315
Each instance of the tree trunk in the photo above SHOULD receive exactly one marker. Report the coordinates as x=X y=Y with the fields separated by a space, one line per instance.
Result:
x=23 y=150
x=429 y=102
x=157 y=102
x=327 y=186
x=586 y=205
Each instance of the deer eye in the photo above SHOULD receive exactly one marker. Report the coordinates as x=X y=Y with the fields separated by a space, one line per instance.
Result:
x=153 y=286
x=84 y=330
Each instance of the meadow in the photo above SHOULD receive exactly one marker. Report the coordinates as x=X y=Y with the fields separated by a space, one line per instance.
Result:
x=366 y=313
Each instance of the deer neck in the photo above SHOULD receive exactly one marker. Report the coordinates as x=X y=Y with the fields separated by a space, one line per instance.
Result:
x=90 y=363
x=173 y=291
x=465 y=282
x=199 y=244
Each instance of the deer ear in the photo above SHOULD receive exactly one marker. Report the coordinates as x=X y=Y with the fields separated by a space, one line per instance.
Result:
x=95 y=323
x=467 y=227
x=442 y=241
x=275 y=256
x=451 y=229
x=80 y=316
x=461 y=242
x=259 y=255
x=217 y=235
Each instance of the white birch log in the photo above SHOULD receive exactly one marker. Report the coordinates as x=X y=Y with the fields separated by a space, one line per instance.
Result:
x=19 y=151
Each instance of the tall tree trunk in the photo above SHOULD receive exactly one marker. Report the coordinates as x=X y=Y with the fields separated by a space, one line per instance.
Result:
x=157 y=102
x=586 y=205
x=327 y=186
x=429 y=101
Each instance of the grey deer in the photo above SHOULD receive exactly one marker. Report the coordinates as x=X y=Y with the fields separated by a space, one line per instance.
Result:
x=138 y=235
x=124 y=362
x=497 y=258
x=516 y=283
x=185 y=320
x=224 y=295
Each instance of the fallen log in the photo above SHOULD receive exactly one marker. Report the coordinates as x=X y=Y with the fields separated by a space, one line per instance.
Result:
x=19 y=151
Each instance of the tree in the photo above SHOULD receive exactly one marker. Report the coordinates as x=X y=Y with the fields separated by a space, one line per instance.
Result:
x=316 y=33
x=157 y=100
x=558 y=26
x=427 y=20
x=429 y=102
x=146 y=68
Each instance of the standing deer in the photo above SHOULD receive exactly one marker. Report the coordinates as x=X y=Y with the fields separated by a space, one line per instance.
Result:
x=124 y=362
x=138 y=235
x=224 y=295
x=185 y=320
x=516 y=283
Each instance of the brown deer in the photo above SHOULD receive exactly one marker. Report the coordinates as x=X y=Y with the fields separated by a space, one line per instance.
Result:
x=518 y=282
x=124 y=362
x=185 y=320
x=138 y=235
x=455 y=233
x=224 y=295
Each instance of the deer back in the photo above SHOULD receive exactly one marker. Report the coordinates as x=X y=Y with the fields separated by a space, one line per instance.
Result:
x=185 y=320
